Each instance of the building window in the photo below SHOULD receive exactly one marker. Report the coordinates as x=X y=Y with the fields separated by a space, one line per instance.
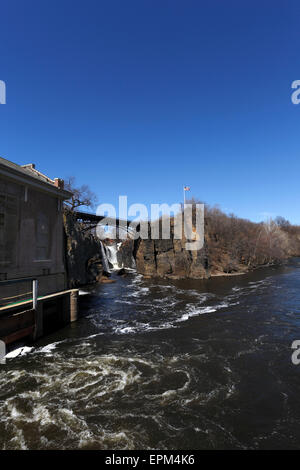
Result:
x=8 y=228
x=42 y=237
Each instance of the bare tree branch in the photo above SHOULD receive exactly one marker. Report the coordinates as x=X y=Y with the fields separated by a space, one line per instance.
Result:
x=83 y=196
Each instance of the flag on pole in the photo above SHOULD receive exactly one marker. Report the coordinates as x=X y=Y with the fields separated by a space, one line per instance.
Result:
x=185 y=188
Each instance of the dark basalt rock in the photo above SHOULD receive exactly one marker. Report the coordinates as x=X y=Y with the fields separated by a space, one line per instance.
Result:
x=125 y=254
x=170 y=259
x=83 y=260
x=122 y=272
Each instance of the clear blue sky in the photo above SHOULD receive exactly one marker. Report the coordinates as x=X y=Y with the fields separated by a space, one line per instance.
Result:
x=141 y=97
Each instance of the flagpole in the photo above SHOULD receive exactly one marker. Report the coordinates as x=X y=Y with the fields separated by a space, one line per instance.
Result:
x=185 y=188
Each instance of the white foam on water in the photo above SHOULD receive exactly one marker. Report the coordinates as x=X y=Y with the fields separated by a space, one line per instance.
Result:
x=125 y=330
x=166 y=287
x=139 y=292
x=137 y=279
x=195 y=312
x=48 y=348
x=237 y=289
x=18 y=352
x=166 y=300
x=128 y=302
x=88 y=387
x=39 y=408
x=164 y=312
x=263 y=283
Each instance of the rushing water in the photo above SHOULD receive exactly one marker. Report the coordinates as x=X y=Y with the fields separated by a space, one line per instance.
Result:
x=104 y=258
x=112 y=251
x=164 y=365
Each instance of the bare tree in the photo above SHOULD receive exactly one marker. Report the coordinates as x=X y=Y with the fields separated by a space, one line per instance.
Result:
x=282 y=222
x=83 y=196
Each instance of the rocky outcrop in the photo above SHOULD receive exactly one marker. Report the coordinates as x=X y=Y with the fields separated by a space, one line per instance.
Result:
x=170 y=259
x=125 y=254
x=232 y=246
x=83 y=260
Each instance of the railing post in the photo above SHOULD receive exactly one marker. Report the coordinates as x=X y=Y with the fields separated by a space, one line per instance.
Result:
x=73 y=305
x=34 y=293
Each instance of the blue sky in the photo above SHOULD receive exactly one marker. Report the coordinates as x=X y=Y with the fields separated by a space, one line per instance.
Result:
x=141 y=97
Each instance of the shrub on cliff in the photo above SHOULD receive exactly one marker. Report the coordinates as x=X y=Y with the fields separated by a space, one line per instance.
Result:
x=234 y=244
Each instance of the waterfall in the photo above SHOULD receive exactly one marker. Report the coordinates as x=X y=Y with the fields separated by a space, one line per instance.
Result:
x=104 y=258
x=112 y=256
x=114 y=259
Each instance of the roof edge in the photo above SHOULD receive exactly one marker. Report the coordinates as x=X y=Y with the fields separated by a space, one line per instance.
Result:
x=24 y=176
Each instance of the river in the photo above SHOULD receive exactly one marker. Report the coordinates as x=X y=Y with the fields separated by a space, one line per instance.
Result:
x=164 y=365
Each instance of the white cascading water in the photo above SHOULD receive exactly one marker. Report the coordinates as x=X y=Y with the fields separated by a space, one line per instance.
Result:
x=112 y=255
x=104 y=258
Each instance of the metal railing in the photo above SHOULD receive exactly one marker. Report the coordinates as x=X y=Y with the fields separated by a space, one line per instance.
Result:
x=25 y=279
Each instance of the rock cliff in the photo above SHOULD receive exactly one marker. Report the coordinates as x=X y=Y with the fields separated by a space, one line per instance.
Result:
x=169 y=258
x=125 y=254
x=232 y=245
x=83 y=260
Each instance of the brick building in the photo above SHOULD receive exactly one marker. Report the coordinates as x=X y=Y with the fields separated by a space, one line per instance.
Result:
x=31 y=230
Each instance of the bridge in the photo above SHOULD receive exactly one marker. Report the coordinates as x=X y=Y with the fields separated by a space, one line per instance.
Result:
x=91 y=221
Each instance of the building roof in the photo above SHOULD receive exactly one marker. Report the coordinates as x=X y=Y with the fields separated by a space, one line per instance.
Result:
x=28 y=175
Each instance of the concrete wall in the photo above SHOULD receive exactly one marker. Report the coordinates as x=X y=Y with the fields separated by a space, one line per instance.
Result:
x=24 y=323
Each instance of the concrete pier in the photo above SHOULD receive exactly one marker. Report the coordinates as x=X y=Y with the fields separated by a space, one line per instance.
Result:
x=22 y=321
